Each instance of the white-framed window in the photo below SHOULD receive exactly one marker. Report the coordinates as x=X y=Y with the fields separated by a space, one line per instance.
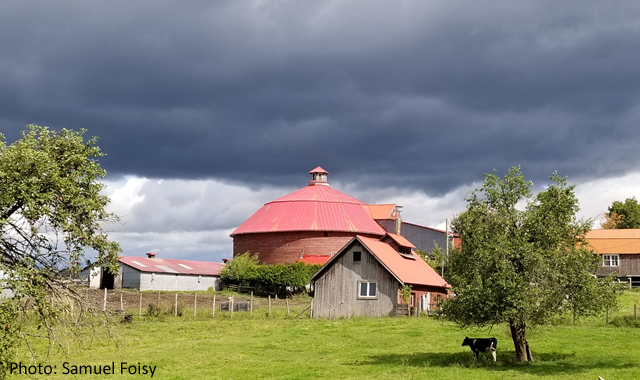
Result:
x=368 y=290
x=610 y=260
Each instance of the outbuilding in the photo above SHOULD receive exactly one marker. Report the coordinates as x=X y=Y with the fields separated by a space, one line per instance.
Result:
x=366 y=276
x=152 y=273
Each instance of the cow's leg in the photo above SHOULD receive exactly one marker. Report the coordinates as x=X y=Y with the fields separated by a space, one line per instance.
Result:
x=475 y=355
x=493 y=353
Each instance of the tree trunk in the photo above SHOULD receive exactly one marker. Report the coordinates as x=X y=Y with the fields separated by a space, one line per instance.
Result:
x=518 y=334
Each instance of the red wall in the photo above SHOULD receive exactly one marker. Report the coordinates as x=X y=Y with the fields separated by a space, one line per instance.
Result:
x=287 y=247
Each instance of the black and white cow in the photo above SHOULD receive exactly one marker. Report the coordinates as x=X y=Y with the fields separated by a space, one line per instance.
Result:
x=478 y=345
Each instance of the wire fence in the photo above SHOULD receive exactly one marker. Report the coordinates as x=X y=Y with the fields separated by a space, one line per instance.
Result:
x=196 y=304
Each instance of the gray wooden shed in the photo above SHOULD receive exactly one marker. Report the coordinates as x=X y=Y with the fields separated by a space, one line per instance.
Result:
x=365 y=277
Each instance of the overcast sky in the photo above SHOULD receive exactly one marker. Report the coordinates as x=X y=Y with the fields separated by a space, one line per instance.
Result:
x=207 y=110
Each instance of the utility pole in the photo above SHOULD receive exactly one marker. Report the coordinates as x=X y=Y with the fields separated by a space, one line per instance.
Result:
x=446 y=252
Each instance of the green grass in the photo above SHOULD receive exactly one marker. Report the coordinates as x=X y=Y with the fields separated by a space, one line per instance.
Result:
x=360 y=348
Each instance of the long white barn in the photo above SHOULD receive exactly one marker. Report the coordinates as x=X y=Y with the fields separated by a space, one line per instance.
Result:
x=151 y=273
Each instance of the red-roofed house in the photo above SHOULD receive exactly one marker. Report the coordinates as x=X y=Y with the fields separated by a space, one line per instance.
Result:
x=365 y=277
x=620 y=251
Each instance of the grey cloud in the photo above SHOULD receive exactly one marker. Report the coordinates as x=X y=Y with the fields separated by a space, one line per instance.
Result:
x=424 y=95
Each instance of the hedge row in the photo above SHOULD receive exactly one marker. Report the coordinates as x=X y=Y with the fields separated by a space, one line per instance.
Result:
x=246 y=269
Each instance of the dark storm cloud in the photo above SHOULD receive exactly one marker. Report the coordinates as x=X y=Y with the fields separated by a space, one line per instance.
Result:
x=417 y=94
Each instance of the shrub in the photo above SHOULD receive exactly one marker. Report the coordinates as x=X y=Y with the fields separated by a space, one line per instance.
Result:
x=245 y=269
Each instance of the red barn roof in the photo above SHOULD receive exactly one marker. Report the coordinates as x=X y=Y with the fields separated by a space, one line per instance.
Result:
x=312 y=208
x=155 y=265
x=407 y=270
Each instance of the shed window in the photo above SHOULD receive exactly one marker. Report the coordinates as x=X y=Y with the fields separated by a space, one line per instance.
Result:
x=610 y=260
x=357 y=256
x=368 y=290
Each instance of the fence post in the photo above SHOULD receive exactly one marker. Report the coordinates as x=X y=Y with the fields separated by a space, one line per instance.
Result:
x=175 y=306
x=231 y=307
x=251 y=306
x=635 y=312
x=213 y=308
x=104 y=304
x=121 y=304
x=195 y=304
x=607 y=322
x=140 y=306
x=287 y=306
x=311 y=309
x=269 y=304
x=158 y=302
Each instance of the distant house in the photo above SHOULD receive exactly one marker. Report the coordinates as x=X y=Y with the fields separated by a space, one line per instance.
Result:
x=365 y=278
x=151 y=273
x=620 y=251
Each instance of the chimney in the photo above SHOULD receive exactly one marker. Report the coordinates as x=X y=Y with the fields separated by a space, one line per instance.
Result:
x=398 y=225
x=151 y=255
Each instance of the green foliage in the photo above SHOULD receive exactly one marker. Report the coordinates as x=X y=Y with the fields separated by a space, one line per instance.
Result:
x=405 y=293
x=436 y=258
x=51 y=211
x=8 y=334
x=522 y=267
x=623 y=215
x=246 y=269
x=241 y=270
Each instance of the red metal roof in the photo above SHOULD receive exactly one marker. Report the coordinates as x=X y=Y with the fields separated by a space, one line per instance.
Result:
x=401 y=240
x=318 y=170
x=156 y=265
x=384 y=211
x=314 y=259
x=312 y=208
x=411 y=271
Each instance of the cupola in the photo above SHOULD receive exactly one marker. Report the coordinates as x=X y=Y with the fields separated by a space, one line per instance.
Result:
x=318 y=177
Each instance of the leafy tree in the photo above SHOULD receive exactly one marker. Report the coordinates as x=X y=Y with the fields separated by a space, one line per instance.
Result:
x=623 y=215
x=611 y=221
x=241 y=270
x=521 y=267
x=51 y=212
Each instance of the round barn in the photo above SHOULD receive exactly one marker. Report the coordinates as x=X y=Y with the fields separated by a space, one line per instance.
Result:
x=310 y=224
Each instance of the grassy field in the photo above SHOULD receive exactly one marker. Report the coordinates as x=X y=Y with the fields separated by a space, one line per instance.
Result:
x=360 y=348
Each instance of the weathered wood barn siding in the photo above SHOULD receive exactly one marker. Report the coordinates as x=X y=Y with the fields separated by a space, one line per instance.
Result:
x=337 y=289
x=627 y=265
